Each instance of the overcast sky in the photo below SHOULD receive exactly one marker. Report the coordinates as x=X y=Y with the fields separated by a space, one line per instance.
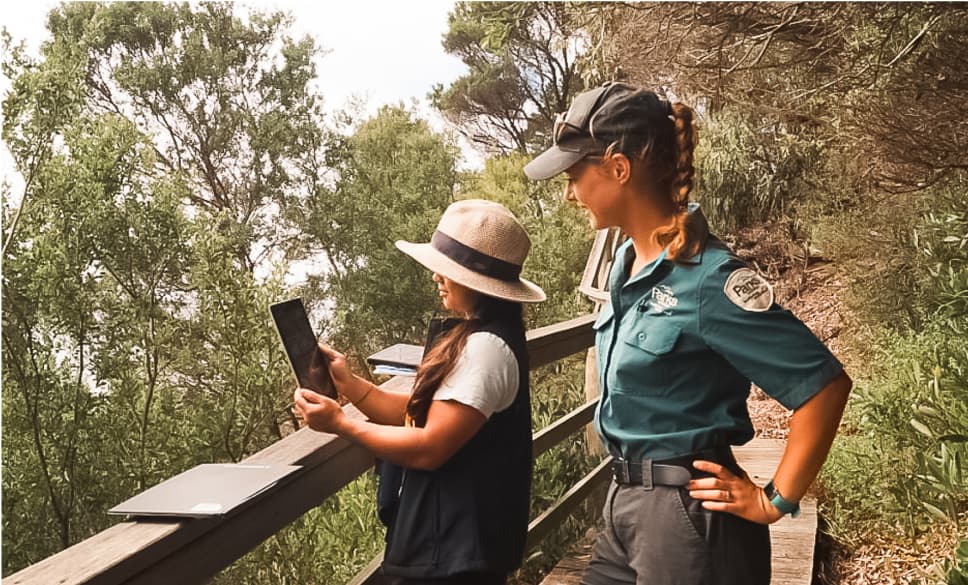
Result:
x=382 y=51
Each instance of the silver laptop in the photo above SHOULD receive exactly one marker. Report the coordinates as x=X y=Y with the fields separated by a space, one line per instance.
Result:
x=210 y=489
x=401 y=355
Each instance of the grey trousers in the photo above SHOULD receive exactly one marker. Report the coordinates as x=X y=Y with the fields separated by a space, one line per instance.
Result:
x=664 y=537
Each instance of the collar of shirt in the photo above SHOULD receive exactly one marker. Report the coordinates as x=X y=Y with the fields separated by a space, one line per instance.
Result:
x=621 y=286
x=625 y=256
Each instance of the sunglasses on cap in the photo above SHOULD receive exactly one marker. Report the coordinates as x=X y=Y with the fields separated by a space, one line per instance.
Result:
x=571 y=126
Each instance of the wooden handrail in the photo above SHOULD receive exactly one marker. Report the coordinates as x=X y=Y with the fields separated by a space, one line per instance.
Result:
x=192 y=551
x=149 y=551
x=551 y=343
x=594 y=279
x=552 y=434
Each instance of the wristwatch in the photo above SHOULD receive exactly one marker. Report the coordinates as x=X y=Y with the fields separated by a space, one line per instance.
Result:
x=782 y=504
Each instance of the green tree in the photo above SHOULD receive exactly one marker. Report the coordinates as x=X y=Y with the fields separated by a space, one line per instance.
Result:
x=394 y=178
x=225 y=100
x=157 y=142
x=39 y=103
x=878 y=80
x=524 y=62
x=83 y=304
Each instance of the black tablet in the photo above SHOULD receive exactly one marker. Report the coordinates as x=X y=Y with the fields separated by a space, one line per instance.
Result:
x=309 y=364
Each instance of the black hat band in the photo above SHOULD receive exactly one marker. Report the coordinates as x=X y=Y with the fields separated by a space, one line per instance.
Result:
x=473 y=259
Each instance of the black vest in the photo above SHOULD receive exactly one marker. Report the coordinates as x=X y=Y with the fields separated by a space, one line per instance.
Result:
x=470 y=514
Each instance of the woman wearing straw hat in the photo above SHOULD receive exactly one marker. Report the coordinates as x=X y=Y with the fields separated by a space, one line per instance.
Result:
x=688 y=326
x=463 y=436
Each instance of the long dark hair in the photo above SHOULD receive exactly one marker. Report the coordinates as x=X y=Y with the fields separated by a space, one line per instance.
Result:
x=442 y=357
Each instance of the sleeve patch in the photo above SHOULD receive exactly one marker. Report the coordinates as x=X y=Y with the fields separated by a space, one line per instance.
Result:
x=748 y=290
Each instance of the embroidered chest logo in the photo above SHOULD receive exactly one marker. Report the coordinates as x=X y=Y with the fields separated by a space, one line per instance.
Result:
x=748 y=290
x=662 y=300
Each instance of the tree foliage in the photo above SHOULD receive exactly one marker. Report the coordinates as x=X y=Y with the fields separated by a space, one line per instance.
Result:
x=875 y=78
x=88 y=296
x=224 y=100
x=524 y=62
x=136 y=341
x=394 y=177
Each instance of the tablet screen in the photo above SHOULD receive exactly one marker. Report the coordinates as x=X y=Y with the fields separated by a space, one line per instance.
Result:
x=309 y=365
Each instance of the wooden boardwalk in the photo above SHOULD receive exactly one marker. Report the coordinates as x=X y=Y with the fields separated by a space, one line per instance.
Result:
x=792 y=538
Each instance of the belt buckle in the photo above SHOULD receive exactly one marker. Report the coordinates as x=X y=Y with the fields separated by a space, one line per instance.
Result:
x=647 y=475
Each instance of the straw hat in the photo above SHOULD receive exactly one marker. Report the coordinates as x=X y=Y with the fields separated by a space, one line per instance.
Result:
x=479 y=244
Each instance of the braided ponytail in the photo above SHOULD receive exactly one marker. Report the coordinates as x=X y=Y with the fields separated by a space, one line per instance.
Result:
x=685 y=235
x=686 y=137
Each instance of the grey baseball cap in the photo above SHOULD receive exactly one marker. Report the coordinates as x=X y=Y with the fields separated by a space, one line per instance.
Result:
x=595 y=119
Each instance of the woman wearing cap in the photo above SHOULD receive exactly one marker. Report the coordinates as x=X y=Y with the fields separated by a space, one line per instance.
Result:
x=463 y=436
x=687 y=328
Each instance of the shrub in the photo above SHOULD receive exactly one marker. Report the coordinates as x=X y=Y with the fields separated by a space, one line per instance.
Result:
x=909 y=413
x=751 y=170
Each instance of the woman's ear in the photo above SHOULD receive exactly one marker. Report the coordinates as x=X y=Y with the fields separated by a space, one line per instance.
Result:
x=620 y=167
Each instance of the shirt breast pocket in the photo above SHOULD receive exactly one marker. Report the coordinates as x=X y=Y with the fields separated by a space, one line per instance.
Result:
x=645 y=366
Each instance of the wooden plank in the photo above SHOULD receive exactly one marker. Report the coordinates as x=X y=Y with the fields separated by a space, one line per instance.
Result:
x=593 y=442
x=792 y=539
x=142 y=551
x=554 y=433
x=594 y=280
x=569 y=570
x=589 y=285
x=553 y=516
x=551 y=343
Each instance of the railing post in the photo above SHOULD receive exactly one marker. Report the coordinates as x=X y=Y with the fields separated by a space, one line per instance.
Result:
x=594 y=285
x=593 y=443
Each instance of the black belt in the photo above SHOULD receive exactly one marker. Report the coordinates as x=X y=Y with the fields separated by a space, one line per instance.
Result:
x=648 y=474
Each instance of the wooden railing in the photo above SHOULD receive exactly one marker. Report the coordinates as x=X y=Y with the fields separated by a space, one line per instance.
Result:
x=192 y=551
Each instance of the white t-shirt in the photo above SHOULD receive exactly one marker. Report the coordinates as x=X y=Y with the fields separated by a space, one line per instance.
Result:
x=485 y=376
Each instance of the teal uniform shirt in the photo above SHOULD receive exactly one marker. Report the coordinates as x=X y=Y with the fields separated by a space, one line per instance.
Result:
x=678 y=346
